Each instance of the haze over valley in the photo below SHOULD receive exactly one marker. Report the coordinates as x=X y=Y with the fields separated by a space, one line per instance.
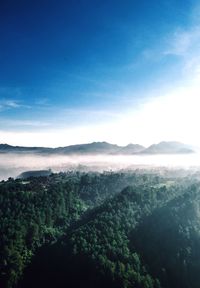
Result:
x=97 y=156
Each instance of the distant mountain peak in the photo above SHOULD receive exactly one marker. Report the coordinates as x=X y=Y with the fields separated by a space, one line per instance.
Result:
x=4 y=145
x=163 y=147
x=131 y=149
x=168 y=147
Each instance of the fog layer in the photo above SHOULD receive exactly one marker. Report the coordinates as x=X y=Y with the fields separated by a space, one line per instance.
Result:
x=11 y=165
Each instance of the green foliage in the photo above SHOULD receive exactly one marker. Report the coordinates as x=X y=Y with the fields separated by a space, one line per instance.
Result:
x=32 y=214
x=74 y=229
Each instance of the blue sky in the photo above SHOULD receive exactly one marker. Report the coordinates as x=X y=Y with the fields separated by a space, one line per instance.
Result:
x=80 y=71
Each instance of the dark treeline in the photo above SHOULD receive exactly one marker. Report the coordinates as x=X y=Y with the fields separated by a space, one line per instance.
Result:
x=74 y=229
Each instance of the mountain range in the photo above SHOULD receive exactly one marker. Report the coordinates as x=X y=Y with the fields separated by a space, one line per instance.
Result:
x=170 y=147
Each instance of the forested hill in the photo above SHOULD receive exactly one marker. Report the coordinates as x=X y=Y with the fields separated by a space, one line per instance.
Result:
x=128 y=229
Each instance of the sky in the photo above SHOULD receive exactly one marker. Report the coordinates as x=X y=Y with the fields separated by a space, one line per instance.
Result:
x=79 y=71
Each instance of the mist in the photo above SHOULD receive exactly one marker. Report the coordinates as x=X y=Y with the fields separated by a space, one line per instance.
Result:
x=11 y=165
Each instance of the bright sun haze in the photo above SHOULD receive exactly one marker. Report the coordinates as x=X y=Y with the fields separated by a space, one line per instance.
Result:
x=82 y=71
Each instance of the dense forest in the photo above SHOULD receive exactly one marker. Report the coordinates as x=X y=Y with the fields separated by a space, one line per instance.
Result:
x=113 y=229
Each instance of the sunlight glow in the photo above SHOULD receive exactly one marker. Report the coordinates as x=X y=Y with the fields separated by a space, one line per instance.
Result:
x=173 y=116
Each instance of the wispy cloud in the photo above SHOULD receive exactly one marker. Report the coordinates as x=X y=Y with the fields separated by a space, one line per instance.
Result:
x=11 y=104
x=7 y=104
x=183 y=42
x=14 y=123
x=42 y=102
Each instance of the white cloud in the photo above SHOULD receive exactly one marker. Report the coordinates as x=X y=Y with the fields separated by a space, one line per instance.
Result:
x=4 y=104
x=11 y=104
x=183 y=42
x=22 y=123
